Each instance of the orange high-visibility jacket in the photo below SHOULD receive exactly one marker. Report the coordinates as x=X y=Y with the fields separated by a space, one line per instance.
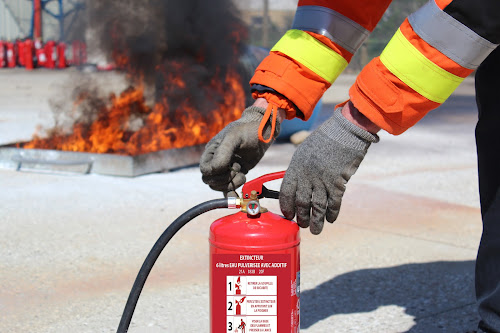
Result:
x=429 y=56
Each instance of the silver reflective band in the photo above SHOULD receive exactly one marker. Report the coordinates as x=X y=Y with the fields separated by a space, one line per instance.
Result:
x=449 y=36
x=338 y=28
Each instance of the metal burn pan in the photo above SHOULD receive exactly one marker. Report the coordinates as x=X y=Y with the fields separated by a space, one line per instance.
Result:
x=105 y=164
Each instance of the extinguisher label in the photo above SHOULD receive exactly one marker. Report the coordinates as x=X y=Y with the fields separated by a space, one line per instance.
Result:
x=251 y=293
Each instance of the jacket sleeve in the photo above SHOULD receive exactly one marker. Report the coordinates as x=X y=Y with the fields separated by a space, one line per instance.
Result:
x=429 y=56
x=308 y=58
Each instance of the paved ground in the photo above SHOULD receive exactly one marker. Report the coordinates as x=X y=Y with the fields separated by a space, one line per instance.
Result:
x=400 y=258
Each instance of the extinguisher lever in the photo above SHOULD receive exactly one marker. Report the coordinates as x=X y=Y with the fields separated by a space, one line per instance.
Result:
x=267 y=193
x=257 y=185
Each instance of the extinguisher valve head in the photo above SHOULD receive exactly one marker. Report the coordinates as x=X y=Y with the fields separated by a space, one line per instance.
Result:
x=252 y=206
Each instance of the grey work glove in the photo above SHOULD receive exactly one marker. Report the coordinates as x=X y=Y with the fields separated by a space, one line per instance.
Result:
x=316 y=178
x=235 y=150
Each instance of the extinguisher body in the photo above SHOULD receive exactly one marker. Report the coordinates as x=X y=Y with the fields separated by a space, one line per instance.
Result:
x=3 y=55
x=28 y=49
x=20 y=52
x=41 y=57
x=11 y=54
x=61 y=55
x=254 y=274
x=50 y=52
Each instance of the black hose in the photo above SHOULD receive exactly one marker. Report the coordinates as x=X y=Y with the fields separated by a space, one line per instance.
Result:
x=150 y=260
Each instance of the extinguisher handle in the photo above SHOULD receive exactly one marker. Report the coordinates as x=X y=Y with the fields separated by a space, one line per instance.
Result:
x=267 y=193
x=258 y=186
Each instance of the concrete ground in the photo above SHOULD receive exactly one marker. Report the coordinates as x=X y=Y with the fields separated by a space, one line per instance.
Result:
x=400 y=258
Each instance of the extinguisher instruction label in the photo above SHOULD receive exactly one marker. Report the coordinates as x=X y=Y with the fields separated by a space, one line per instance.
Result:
x=251 y=293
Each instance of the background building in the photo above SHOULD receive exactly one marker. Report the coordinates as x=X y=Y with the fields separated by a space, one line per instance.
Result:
x=268 y=20
x=60 y=19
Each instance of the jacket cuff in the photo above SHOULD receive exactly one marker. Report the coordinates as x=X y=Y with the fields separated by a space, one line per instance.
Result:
x=296 y=82
x=386 y=100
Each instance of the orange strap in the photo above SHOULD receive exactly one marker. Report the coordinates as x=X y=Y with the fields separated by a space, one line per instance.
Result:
x=267 y=115
x=275 y=102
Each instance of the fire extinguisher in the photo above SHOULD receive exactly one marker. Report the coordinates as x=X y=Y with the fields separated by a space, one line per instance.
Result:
x=20 y=52
x=40 y=56
x=61 y=55
x=3 y=63
x=254 y=264
x=50 y=51
x=11 y=54
x=28 y=49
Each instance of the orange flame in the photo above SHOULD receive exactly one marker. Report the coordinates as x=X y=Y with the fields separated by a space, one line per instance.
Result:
x=163 y=127
x=127 y=125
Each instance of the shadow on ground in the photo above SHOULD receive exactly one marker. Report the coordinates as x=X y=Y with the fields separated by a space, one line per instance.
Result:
x=424 y=290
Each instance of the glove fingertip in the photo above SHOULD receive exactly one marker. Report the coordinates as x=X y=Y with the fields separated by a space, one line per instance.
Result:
x=288 y=213
x=316 y=227
x=237 y=181
x=287 y=209
x=331 y=215
x=221 y=159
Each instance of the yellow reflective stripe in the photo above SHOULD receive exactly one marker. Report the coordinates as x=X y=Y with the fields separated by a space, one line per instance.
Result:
x=313 y=54
x=425 y=77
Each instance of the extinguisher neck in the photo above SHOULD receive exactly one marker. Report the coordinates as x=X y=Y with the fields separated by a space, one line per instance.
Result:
x=252 y=205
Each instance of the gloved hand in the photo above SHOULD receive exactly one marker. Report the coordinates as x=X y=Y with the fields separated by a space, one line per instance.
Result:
x=235 y=150
x=315 y=181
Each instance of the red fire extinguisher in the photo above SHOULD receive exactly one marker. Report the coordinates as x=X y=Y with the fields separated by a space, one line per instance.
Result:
x=254 y=265
x=40 y=56
x=50 y=52
x=3 y=58
x=20 y=52
x=61 y=55
x=11 y=54
x=28 y=49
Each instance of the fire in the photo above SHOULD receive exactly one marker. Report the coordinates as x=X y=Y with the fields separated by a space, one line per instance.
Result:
x=194 y=72
x=164 y=125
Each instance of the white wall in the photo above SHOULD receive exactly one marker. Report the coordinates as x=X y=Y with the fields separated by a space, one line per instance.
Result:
x=15 y=16
x=15 y=19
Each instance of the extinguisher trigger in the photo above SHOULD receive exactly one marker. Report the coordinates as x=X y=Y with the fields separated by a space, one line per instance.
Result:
x=267 y=193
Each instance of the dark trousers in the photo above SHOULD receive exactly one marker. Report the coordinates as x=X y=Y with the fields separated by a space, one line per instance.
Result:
x=488 y=147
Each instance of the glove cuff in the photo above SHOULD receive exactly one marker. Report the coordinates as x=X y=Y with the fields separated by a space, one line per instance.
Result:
x=341 y=130
x=256 y=113
x=252 y=113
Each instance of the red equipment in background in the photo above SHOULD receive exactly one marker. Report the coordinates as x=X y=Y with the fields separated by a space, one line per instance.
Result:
x=3 y=56
x=11 y=54
x=20 y=52
x=41 y=58
x=61 y=55
x=37 y=19
x=79 y=50
x=51 y=54
x=31 y=54
x=254 y=267
x=28 y=50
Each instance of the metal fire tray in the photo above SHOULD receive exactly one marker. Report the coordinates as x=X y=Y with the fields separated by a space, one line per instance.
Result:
x=104 y=164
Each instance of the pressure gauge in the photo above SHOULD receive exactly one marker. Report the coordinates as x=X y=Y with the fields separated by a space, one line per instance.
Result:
x=253 y=208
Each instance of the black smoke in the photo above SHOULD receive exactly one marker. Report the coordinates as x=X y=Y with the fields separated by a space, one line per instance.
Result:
x=207 y=37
